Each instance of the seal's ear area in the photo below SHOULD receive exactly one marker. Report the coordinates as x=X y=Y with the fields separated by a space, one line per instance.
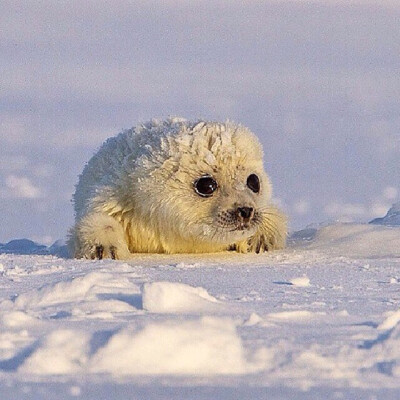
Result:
x=246 y=142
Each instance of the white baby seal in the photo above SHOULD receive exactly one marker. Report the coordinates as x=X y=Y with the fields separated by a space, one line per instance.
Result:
x=176 y=186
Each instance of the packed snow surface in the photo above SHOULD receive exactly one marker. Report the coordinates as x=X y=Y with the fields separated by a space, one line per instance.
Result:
x=320 y=319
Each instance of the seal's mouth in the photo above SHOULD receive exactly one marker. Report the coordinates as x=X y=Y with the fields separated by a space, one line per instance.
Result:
x=239 y=220
x=243 y=226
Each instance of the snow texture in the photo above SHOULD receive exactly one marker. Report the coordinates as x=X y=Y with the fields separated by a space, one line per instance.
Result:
x=319 y=319
x=205 y=347
x=170 y=297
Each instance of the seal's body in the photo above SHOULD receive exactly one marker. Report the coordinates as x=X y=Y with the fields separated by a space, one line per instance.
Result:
x=176 y=187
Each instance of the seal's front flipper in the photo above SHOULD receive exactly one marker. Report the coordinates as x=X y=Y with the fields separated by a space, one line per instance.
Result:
x=99 y=252
x=99 y=236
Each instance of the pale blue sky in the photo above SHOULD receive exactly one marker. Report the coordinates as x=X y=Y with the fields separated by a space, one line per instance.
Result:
x=318 y=82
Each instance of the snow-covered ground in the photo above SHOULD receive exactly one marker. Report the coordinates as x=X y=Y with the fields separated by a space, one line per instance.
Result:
x=320 y=319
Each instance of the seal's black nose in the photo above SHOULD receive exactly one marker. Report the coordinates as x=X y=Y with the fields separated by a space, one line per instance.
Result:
x=245 y=212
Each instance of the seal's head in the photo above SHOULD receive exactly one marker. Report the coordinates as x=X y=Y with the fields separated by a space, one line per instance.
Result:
x=202 y=182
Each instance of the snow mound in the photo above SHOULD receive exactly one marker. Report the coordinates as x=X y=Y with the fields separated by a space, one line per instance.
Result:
x=205 y=347
x=392 y=218
x=172 y=297
x=97 y=294
x=366 y=365
x=12 y=339
x=254 y=319
x=17 y=319
x=390 y=322
x=301 y=281
x=61 y=352
x=355 y=240
x=86 y=287
x=382 y=354
x=294 y=315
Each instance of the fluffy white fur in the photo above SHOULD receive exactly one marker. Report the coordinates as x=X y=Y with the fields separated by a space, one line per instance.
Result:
x=136 y=194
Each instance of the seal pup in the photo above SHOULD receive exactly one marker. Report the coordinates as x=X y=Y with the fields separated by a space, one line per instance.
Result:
x=176 y=186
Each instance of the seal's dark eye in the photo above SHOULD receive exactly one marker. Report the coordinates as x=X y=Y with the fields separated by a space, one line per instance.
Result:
x=253 y=183
x=205 y=186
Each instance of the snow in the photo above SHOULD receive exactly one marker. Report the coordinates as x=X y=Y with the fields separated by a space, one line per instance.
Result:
x=170 y=297
x=358 y=240
x=319 y=319
x=302 y=281
x=59 y=353
x=391 y=321
x=293 y=315
x=204 y=347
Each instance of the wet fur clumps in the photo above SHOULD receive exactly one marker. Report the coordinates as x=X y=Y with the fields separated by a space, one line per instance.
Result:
x=176 y=186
